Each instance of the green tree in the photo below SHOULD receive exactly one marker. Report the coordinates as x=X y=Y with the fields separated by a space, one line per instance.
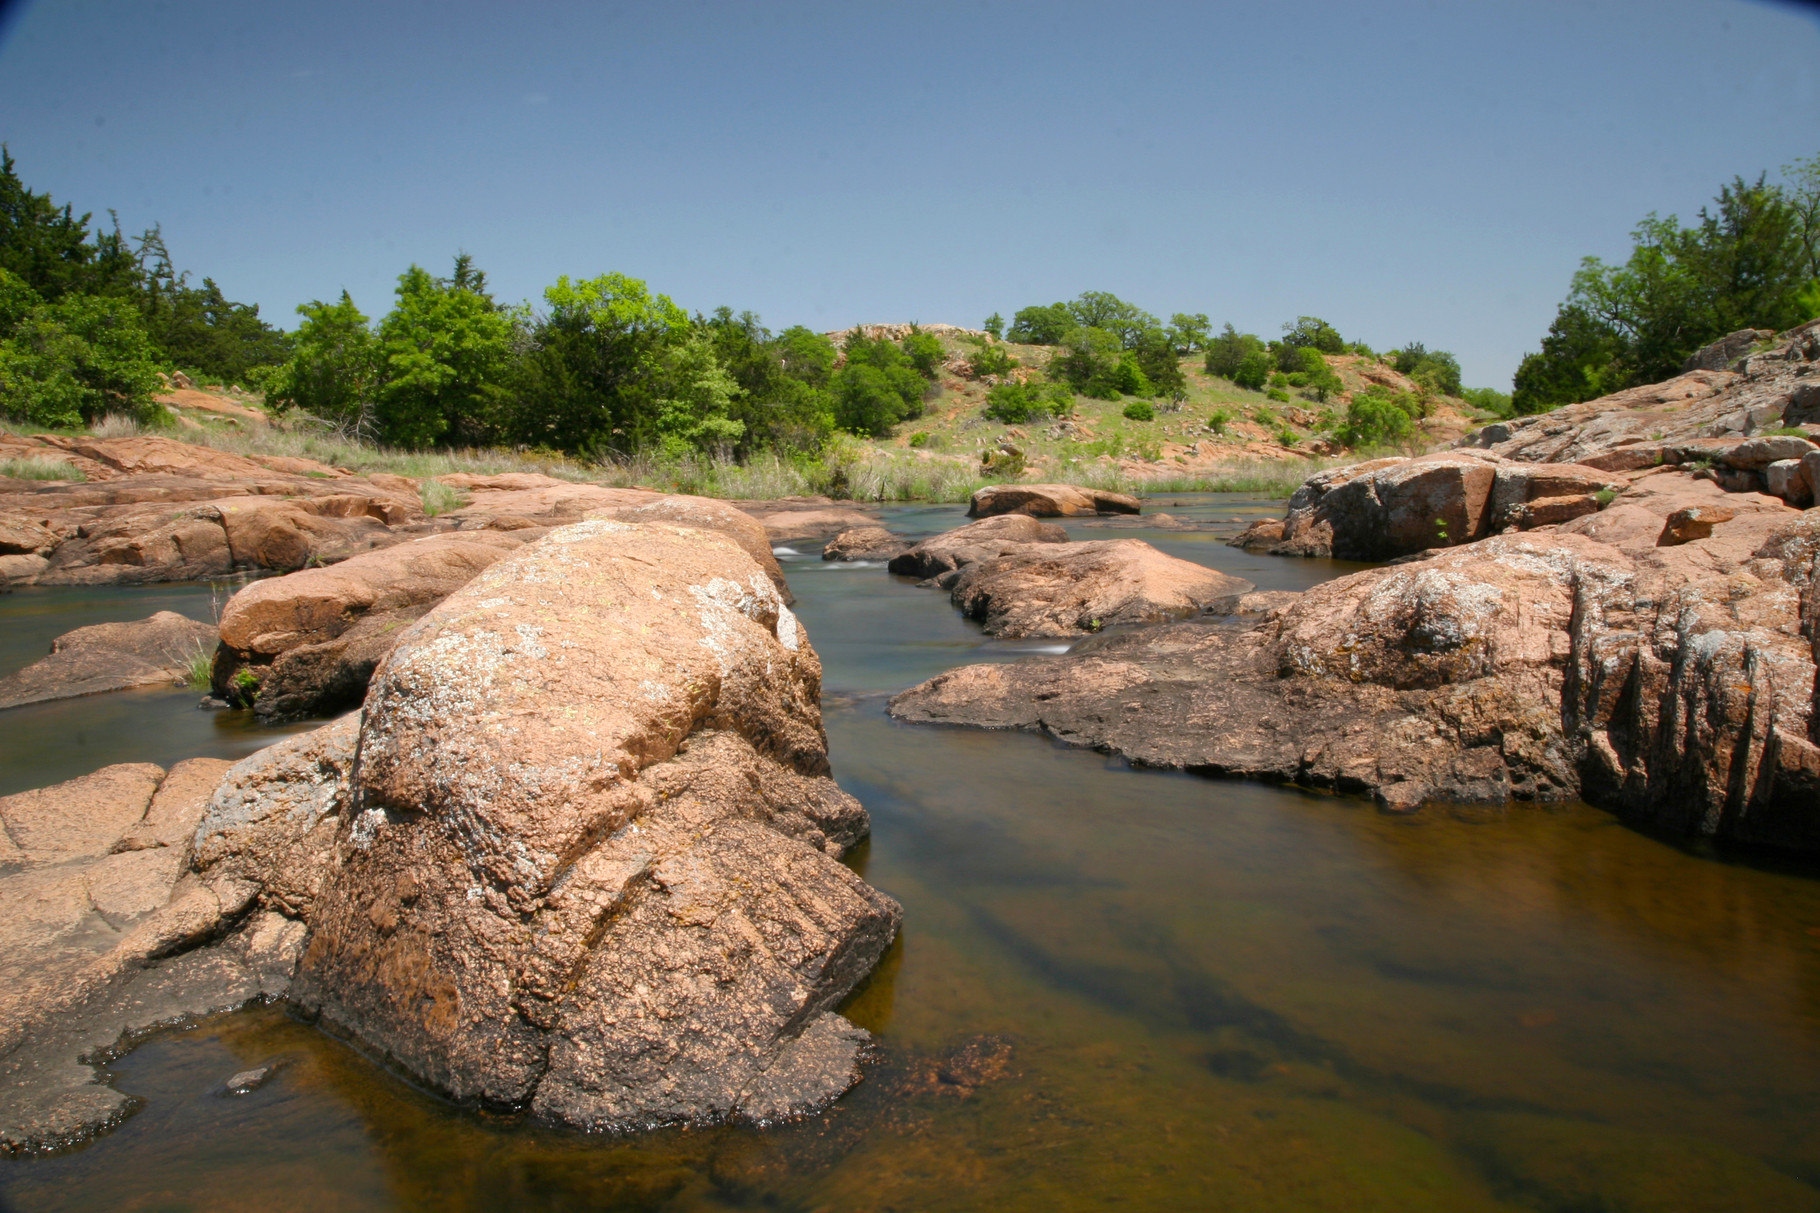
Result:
x=1228 y=351
x=1157 y=359
x=1376 y=418
x=72 y=360
x=1088 y=361
x=444 y=352
x=1436 y=370
x=1107 y=312
x=1582 y=358
x=1312 y=332
x=1039 y=325
x=1253 y=370
x=333 y=371
x=995 y=324
x=1746 y=263
x=50 y=247
x=782 y=398
x=586 y=380
x=924 y=351
x=1190 y=332
x=695 y=399
x=877 y=388
x=198 y=327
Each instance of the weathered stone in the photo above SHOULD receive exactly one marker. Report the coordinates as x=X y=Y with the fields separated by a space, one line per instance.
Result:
x=976 y=541
x=791 y=525
x=710 y=515
x=1693 y=522
x=1048 y=501
x=1787 y=479
x=1074 y=589
x=590 y=859
x=83 y=817
x=111 y=657
x=1720 y=355
x=1674 y=684
x=865 y=543
x=312 y=639
x=1390 y=507
x=1259 y=536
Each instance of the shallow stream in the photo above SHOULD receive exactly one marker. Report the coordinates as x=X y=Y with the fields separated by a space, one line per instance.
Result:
x=1188 y=994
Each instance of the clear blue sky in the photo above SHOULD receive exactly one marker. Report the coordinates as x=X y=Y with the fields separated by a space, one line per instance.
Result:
x=1427 y=171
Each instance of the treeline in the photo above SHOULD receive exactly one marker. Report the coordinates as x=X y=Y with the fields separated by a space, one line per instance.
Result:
x=88 y=318
x=1108 y=348
x=1750 y=260
x=607 y=367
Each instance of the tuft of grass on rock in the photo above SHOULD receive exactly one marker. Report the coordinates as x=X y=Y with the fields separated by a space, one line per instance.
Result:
x=41 y=469
x=440 y=498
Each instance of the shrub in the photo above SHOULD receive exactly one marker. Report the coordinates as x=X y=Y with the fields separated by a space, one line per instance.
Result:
x=1288 y=437
x=1278 y=394
x=1312 y=332
x=1266 y=417
x=1140 y=410
x=1218 y=420
x=1091 y=362
x=1041 y=325
x=995 y=324
x=1377 y=418
x=989 y=359
x=1016 y=403
x=1253 y=370
x=920 y=438
x=1489 y=400
x=924 y=352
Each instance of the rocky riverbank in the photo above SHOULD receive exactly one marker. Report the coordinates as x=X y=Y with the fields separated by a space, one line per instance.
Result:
x=579 y=853
x=1626 y=614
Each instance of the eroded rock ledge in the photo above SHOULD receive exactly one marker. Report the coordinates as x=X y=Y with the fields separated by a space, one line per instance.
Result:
x=578 y=853
x=1673 y=684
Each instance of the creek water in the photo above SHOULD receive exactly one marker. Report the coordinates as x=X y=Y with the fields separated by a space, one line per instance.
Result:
x=1191 y=994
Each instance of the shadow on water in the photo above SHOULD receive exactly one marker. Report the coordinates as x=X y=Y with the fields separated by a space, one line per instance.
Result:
x=1215 y=995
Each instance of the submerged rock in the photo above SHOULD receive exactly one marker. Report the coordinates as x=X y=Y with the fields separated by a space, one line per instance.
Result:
x=157 y=650
x=1048 y=501
x=976 y=541
x=865 y=543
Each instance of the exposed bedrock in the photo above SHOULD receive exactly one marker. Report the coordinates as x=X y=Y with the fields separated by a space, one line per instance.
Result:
x=106 y=931
x=588 y=860
x=976 y=541
x=1048 y=501
x=865 y=543
x=1750 y=432
x=1675 y=684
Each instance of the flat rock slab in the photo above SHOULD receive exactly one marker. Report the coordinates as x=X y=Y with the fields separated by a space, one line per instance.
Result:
x=1076 y=589
x=111 y=657
x=974 y=542
x=1048 y=501
x=865 y=543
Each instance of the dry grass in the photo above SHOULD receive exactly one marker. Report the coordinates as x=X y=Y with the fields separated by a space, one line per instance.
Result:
x=41 y=469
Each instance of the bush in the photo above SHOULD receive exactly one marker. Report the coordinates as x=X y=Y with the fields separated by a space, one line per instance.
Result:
x=1312 y=332
x=995 y=324
x=1278 y=394
x=1218 y=420
x=1436 y=370
x=1377 y=418
x=988 y=358
x=1253 y=370
x=1489 y=400
x=1016 y=403
x=1288 y=437
x=920 y=438
x=924 y=352
x=1091 y=362
x=1140 y=410
x=1041 y=325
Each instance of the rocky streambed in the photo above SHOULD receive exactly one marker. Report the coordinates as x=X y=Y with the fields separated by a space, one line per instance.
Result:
x=1108 y=983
